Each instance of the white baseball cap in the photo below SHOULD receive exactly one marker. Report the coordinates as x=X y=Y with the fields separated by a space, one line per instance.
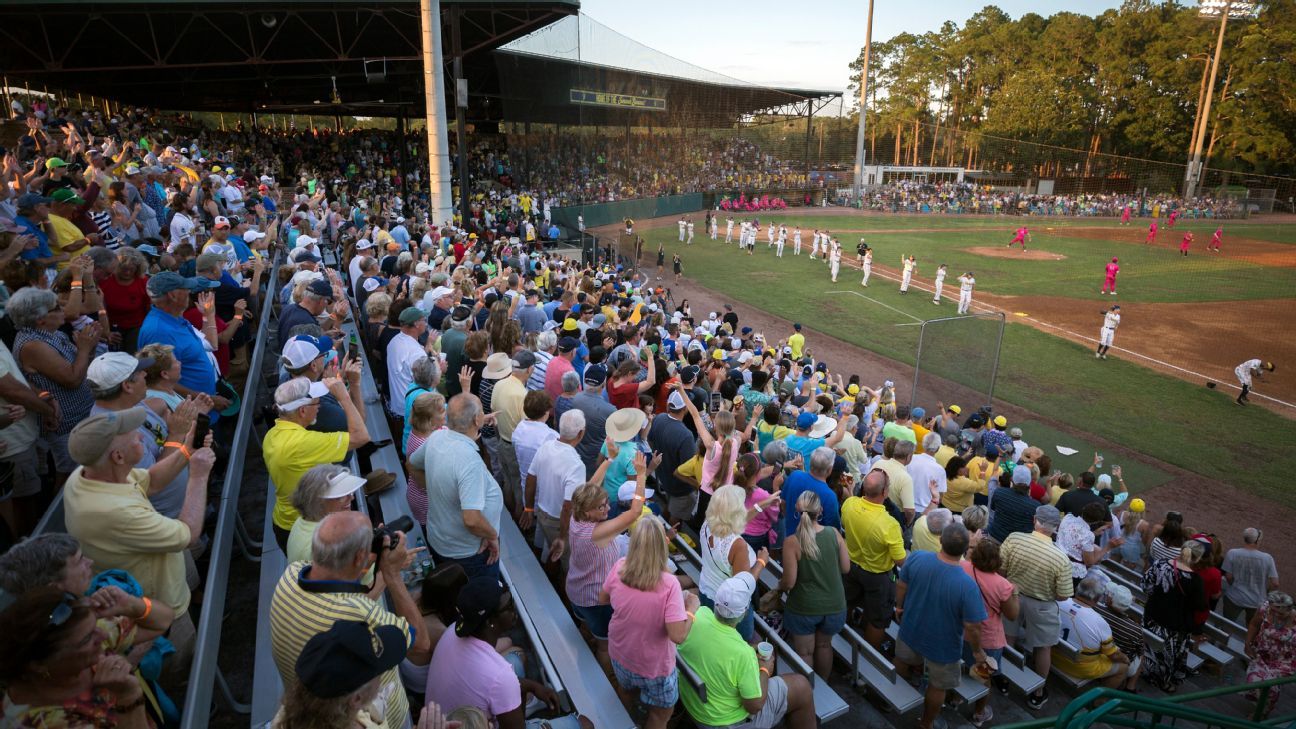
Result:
x=343 y=484
x=627 y=492
x=733 y=597
x=112 y=369
x=253 y=234
x=306 y=240
x=364 y=244
x=372 y=284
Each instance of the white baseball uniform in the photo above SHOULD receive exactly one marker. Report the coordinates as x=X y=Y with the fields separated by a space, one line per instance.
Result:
x=835 y=260
x=907 y=276
x=729 y=231
x=690 y=232
x=1111 y=320
x=966 y=283
x=1244 y=370
x=868 y=266
x=940 y=284
x=796 y=242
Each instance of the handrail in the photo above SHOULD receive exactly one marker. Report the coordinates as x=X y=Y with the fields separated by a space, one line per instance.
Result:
x=203 y=669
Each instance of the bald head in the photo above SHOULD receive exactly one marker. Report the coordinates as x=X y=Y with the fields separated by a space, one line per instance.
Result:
x=462 y=412
x=874 y=487
x=341 y=543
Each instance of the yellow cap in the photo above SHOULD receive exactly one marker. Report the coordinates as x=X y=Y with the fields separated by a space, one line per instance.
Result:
x=955 y=409
x=1001 y=421
x=852 y=390
x=569 y=325
x=718 y=354
x=1137 y=506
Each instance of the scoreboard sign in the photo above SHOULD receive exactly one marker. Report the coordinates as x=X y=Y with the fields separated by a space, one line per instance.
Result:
x=623 y=101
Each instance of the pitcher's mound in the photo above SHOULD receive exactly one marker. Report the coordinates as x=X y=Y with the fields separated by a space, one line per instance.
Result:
x=1006 y=252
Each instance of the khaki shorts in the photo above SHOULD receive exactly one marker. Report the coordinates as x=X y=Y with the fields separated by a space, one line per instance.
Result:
x=775 y=708
x=682 y=508
x=946 y=676
x=1038 y=626
x=21 y=479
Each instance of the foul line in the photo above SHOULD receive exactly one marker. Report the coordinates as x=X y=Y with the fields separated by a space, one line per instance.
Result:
x=879 y=303
x=855 y=265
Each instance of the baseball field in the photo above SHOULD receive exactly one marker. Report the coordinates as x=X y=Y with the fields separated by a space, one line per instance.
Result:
x=1187 y=321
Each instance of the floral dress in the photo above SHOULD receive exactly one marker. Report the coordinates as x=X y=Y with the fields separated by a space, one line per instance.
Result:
x=1174 y=596
x=1275 y=654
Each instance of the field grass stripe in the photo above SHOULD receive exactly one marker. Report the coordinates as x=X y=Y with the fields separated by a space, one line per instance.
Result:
x=879 y=303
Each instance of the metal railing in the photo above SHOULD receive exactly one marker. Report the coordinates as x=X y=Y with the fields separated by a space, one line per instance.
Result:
x=1120 y=708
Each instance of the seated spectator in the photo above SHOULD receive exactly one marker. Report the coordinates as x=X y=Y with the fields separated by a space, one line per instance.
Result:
x=928 y=528
x=814 y=560
x=1077 y=536
x=1126 y=631
x=290 y=449
x=437 y=596
x=741 y=687
x=466 y=670
x=1097 y=656
x=311 y=596
x=322 y=490
x=161 y=378
x=106 y=509
x=21 y=410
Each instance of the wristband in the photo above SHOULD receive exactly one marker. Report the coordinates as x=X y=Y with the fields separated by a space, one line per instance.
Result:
x=131 y=706
x=178 y=446
x=692 y=616
x=76 y=285
x=765 y=671
x=637 y=498
x=528 y=509
x=760 y=562
x=238 y=317
x=148 y=608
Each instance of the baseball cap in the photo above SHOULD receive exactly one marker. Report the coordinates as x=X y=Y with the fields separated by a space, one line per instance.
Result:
x=342 y=484
x=991 y=451
x=676 y=401
x=440 y=291
x=53 y=162
x=1000 y=421
x=733 y=597
x=797 y=326
x=320 y=287
x=90 y=440
x=364 y=244
x=568 y=344
x=689 y=374
x=918 y=413
x=168 y=281
x=570 y=325
x=477 y=602
x=460 y=313
x=283 y=394
x=1021 y=474
x=221 y=222
x=523 y=359
x=1138 y=506
x=304 y=349
x=1119 y=596
x=412 y=315
x=955 y=409
x=30 y=200
x=627 y=491
x=1048 y=515
x=112 y=369
x=305 y=255
x=148 y=250
x=306 y=240
x=66 y=195
x=596 y=375
x=372 y=284
x=253 y=234
x=852 y=389
x=1015 y=433
x=350 y=654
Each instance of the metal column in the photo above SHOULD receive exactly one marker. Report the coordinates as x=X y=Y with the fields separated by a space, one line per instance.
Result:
x=441 y=207
x=461 y=116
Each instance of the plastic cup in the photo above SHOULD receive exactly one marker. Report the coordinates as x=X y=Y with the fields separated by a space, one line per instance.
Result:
x=764 y=650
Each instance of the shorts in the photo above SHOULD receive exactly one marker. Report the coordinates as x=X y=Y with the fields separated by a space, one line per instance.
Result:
x=798 y=624
x=682 y=508
x=661 y=692
x=874 y=592
x=995 y=653
x=596 y=619
x=57 y=445
x=770 y=715
x=1039 y=625
x=945 y=676
x=18 y=476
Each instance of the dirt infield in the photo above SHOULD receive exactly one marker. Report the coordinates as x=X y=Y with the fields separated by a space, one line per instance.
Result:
x=1006 y=252
x=1259 y=252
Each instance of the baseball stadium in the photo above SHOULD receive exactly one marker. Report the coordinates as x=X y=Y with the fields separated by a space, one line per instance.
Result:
x=457 y=364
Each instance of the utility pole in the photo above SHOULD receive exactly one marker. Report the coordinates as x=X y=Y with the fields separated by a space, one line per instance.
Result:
x=1192 y=178
x=441 y=209
x=858 y=191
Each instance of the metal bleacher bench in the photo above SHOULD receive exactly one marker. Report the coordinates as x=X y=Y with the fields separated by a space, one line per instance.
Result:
x=267 y=687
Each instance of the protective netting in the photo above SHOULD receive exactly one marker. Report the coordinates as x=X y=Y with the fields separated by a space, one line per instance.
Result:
x=957 y=361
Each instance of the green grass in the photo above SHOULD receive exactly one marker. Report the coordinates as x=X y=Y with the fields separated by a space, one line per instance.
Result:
x=1177 y=422
x=1138 y=476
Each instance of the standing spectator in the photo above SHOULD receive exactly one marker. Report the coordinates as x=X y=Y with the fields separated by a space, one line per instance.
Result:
x=571 y=385
x=546 y=343
x=650 y=617
x=928 y=528
x=1001 y=604
x=1174 y=596
x=1168 y=538
x=531 y=434
x=923 y=470
x=555 y=378
x=1042 y=575
x=811 y=478
x=675 y=442
x=896 y=456
x=556 y=472
x=814 y=560
x=312 y=596
x=723 y=551
x=1012 y=510
x=1248 y=574
x=24 y=410
x=323 y=490
x=876 y=548
x=126 y=297
x=403 y=351
x=427 y=414
x=464 y=499
x=425 y=375
x=507 y=402
x=1098 y=658
x=1271 y=644
x=165 y=324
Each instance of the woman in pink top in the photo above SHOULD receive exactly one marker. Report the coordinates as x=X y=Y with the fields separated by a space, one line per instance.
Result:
x=1000 y=602
x=649 y=618
x=762 y=506
x=721 y=449
x=591 y=538
x=427 y=415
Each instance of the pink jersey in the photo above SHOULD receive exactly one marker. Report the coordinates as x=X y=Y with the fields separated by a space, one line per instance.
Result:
x=1021 y=235
x=1152 y=228
x=1125 y=214
x=1215 y=239
x=1112 y=270
x=1183 y=244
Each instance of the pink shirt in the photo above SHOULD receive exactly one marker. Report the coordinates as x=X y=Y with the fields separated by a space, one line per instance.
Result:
x=637 y=636
x=590 y=563
x=762 y=522
x=995 y=590
x=711 y=463
x=558 y=366
x=469 y=672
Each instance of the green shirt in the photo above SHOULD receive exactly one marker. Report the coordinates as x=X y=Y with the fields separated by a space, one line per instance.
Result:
x=819 y=589
x=726 y=665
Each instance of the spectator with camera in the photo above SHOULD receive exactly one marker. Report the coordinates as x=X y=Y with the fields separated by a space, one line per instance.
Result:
x=311 y=596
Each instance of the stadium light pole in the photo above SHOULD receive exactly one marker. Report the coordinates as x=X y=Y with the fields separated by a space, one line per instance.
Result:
x=441 y=209
x=1208 y=8
x=858 y=191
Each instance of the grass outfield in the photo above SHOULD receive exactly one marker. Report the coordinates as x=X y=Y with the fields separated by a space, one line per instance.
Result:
x=1174 y=421
x=1149 y=274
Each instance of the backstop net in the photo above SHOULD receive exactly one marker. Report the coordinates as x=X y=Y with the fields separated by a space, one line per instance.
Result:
x=957 y=361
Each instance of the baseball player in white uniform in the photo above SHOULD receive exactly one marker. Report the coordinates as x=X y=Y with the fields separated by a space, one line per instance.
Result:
x=814 y=247
x=1247 y=370
x=868 y=266
x=910 y=264
x=769 y=234
x=690 y=232
x=796 y=242
x=834 y=260
x=940 y=283
x=682 y=226
x=729 y=230
x=715 y=226
x=966 y=282
x=1111 y=320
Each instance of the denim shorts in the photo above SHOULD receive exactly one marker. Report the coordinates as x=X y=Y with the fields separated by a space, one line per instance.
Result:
x=995 y=653
x=798 y=624
x=661 y=692
x=596 y=619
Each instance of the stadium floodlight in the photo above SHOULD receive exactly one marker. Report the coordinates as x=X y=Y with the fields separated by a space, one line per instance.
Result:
x=858 y=188
x=1224 y=9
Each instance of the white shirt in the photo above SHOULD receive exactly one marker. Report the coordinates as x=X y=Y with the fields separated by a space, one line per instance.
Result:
x=1019 y=447
x=528 y=436
x=966 y=283
x=353 y=269
x=1082 y=626
x=940 y=276
x=559 y=471
x=1074 y=538
x=402 y=352
x=1243 y=370
x=922 y=469
x=1111 y=320
x=182 y=230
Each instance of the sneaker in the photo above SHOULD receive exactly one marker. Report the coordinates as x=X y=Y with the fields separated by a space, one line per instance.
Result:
x=1000 y=683
x=1097 y=355
x=1104 y=356
x=1036 y=701
x=979 y=719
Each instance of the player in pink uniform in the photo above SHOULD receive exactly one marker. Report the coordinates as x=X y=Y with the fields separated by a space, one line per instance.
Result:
x=1183 y=244
x=1020 y=237
x=1125 y=215
x=1214 y=244
x=1151 y=236
x=1174 y=215
x=1110 y=281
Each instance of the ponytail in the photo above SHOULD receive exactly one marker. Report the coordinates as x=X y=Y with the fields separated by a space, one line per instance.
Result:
x=810 y=507
x=722 y=475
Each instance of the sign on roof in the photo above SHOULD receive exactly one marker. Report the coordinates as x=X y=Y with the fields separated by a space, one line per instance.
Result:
x=624 y=101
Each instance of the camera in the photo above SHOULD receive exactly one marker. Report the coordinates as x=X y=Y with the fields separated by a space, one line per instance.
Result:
x=402 y=524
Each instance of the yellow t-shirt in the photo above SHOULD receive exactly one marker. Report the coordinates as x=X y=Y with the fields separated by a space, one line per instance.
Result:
x=119 y=529
x=66 y=233
x=289 y=451
x=873 y=538
x=797 y=343
x=902 y=489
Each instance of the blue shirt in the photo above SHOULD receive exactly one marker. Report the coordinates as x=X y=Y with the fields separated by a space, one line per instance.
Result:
x=240 y=248
x=799 y=482
x=620 y=470
x=939 y=599
x=400 y=235
x=197 y=371
x=42 y=249
x=805 y=446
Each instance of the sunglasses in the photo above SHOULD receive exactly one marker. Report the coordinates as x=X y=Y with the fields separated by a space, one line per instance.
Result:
x=62 y=611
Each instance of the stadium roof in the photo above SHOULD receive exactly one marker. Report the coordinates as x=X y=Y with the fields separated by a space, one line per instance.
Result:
x=277 y=55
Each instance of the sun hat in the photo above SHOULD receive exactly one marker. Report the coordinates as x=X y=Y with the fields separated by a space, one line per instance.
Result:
x=823 y=425
x=498 y=366
x=624 y=424
x=342 y=484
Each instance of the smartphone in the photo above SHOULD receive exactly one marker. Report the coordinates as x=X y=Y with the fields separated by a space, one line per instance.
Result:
x=201 y=427
x=353 y=347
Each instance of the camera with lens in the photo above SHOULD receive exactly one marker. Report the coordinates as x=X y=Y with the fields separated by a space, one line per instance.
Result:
x=403 y=524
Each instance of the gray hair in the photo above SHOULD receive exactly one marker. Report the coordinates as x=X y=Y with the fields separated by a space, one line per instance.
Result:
x=309 y=496
x=976 y=517
x=307 y=294
x=1090 y=588
x=294 y=389
x=29 y=304
x=131 y=257
x=852 y=421
x=104 y=393
x=102 y=257
x=903 y=449
x=339 y=555
x=931 y=443
x=954 y=540
x=426 y=372
x=821 y=461
x=462 y=412
x=36 y=562
x=546 y=341
x=1251 y=535
x=937 y=519
x=457 y=324
x=571 y=381
x=571 y=424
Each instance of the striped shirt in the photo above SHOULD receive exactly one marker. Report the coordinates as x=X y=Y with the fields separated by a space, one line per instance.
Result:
x=590 y=564
x=297 y=614
x=1036 y=566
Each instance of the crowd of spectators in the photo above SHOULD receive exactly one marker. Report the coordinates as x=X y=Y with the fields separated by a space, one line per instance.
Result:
x=914 y=196
x=578 y=401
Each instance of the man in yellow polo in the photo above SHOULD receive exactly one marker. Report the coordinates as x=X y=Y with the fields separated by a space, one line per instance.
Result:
x=876 y=548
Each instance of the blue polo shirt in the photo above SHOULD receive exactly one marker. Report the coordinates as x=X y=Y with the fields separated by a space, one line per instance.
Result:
x=799 y=482
x=240 y=248
x=197 y=372
x=42 y=249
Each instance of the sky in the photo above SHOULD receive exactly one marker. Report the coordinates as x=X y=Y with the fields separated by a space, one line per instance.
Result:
x=791 y=45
